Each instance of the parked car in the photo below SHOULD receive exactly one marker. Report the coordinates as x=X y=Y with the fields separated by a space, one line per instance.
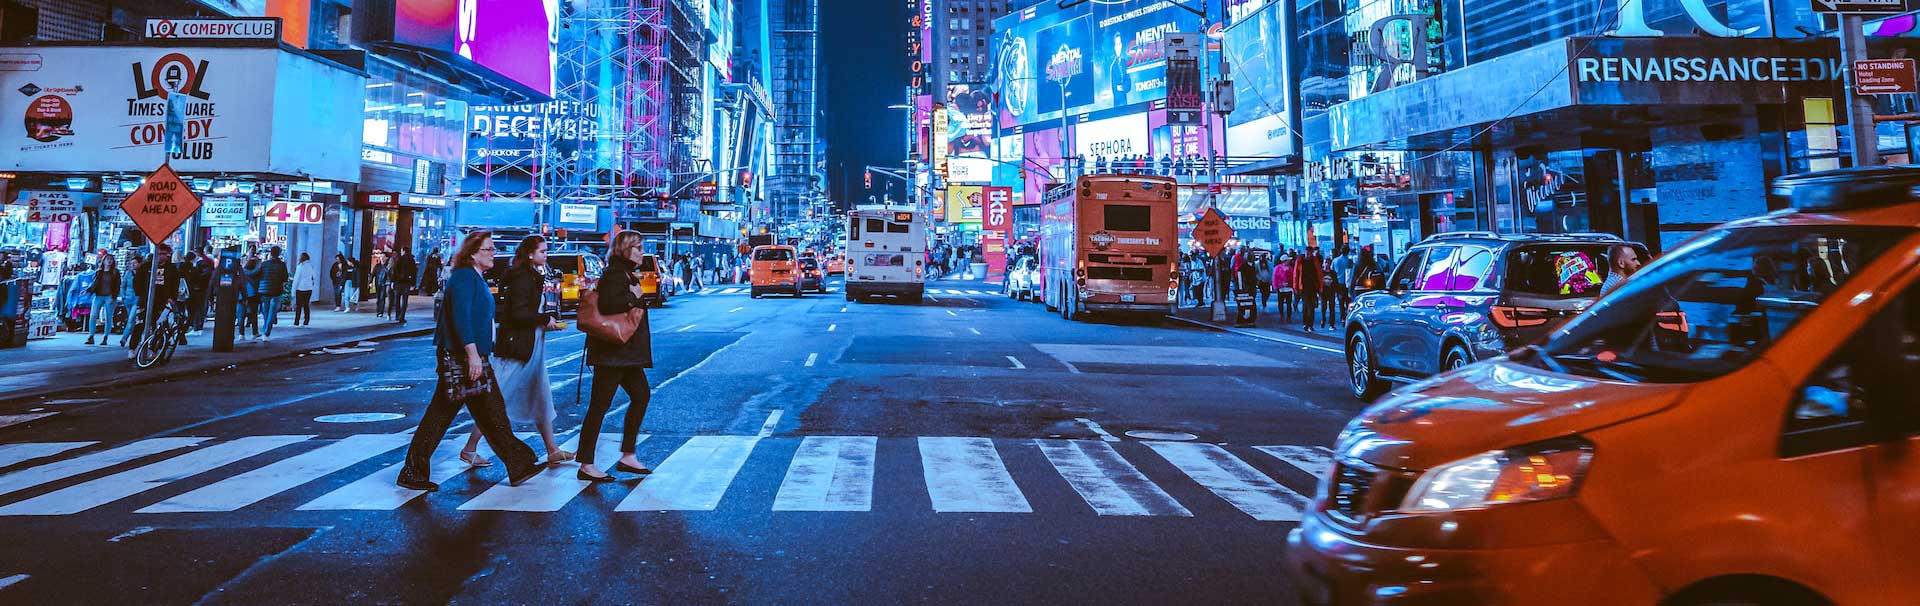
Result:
x=1460 y=297
x=1021 y=278
x=1736 y=425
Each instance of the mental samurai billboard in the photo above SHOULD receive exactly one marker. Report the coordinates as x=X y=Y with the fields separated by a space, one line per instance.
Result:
x=1086 y=58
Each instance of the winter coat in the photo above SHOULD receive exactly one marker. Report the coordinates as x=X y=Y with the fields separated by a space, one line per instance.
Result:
x=271 y=279
x=1283 y=274
x=106 y=283
x=404 y=273
x=306 y=277
x=521 y=317
x=616 y=297
x=1307 y=273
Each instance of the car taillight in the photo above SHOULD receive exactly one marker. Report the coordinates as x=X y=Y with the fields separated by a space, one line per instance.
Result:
x=1675 y=321
x=1511 y=316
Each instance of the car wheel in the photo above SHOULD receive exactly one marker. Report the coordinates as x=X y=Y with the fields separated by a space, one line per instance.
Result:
x=1362 y=379
x=1456 y=357
x=850 y=296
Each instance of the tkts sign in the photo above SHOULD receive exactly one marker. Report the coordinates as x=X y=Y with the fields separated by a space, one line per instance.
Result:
x=178 y=81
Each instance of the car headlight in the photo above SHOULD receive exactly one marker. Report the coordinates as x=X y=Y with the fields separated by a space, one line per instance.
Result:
x=1535 y=472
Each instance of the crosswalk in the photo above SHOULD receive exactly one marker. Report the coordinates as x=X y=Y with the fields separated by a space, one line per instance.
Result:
x=822 y=474
x=937 y=292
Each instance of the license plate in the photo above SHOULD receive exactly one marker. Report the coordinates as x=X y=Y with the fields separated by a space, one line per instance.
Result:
x=1126 y=298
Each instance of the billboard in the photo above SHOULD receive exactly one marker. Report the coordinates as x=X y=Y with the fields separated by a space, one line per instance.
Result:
x=969 y=121
x=963 y=204
x=1112 y=138
x=510 y=132
x=104 y=109
x=1085 y=58
x=513 y=38
x=1256 y=47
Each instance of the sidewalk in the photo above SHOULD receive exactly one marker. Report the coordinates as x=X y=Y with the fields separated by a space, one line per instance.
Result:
x=1267 y=327
x=65 y=363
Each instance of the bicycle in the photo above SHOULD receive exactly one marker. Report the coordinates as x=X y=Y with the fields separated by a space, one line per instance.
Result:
x=158 y=345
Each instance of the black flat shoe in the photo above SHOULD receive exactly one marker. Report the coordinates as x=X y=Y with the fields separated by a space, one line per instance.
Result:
x=623 y=467
x=524 y=475
x=417 y=484
x=582 y=474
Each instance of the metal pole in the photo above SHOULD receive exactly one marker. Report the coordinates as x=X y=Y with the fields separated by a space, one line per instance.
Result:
x=1853 y=47
x=1620 y=176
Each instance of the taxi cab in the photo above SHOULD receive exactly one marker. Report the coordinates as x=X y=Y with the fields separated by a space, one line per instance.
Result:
x=653 y=286
x=836 y=264
x=774 y=269
x=1736 y=424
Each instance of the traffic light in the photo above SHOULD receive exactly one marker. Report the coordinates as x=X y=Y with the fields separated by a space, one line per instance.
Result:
x=869 y=179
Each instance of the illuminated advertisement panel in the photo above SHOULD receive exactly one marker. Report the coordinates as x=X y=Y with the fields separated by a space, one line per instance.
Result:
x=1089 y=57
x=1256 y=47
x=513 y=38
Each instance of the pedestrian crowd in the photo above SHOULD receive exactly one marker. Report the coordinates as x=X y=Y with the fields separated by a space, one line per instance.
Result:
x=1304 y=283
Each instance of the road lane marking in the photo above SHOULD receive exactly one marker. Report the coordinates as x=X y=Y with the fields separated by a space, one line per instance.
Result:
x=59 y=470
x=1264 y=337
x=975 y=331
x=557 y=362
x=686 y=328
x=1234 y=480
x=966 y=475
x=829 y=473
x=843 y=309
x=13 y=580
x=735 y=309
x=11 y=454
x=1097 y=429
x=950 y=313
x=831 y=327
x=94 y=493
x=773 y=420
x=378 y=492
x=10 y=420
x=259 y=484
x=1108 y=483
x=1315 y=460
x=811 y=358
x=1016 y=363
x=694 y=477
x=548 y=490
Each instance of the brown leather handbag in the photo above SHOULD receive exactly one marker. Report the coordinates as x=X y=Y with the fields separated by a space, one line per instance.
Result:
x=615 y=328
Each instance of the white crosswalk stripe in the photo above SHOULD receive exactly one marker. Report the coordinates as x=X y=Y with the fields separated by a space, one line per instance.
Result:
x=94 y=493
x=11 y=454
x=694 y=477
x=1111 y=485
x=1234 y=480
x=966 y=475
x=824 y=474
x=550 y=490
x=60 y=470
x=829 y=473
x=253 y=486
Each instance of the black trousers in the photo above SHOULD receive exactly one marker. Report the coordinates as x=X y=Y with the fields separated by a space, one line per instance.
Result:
x=606 y=380
x=1308 y=301
x=398 y=307
x=489 y=414
x=339 y=294
x=303 y=307
x=1286 y=305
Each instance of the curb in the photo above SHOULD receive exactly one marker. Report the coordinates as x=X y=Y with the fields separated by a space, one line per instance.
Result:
x=165 y=373
x=1304 y=344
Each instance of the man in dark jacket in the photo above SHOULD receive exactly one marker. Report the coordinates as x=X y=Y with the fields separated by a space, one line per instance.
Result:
x=404 y=274
x=272 y=282
x=199 y=282
x=1306 y=280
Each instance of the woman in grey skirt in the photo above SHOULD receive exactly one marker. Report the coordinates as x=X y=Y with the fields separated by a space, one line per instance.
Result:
x=520 y=350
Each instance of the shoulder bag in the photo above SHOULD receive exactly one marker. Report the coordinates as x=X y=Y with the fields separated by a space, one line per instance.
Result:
x=615 y=328
x=454 y=382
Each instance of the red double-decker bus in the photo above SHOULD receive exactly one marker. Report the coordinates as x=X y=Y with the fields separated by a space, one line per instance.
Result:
x=1110 y=243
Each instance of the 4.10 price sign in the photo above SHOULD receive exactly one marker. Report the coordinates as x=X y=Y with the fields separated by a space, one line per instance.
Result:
x=293 y=211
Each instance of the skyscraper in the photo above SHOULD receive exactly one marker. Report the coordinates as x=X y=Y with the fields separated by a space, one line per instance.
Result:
x=797 y=172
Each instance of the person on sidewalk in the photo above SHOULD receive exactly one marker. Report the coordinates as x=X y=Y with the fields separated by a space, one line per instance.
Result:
x=272 y=278
x=339 y=273
x=430 y=274
x=462 y=339
x=350 y=288
x=382 y=281
x=618 y=366
x=520 y=350
x=404 y=274
x=1263 y=276
x=105 y=291
x=249 y=299
x=1307 y=275
x=1342 y=278
x=1329 y=294
x=1283 y=284
x=306 y=279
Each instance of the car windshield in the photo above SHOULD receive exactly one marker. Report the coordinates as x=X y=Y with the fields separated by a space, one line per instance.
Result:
x=648 y=264
x=773 y=254
x=1714 y=305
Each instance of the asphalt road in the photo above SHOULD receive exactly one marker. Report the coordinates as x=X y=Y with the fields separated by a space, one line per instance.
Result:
x=971 y=449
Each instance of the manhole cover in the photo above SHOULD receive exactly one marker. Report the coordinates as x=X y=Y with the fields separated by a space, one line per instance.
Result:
x=1161 y=435
x=360 y=417
x=385 y=387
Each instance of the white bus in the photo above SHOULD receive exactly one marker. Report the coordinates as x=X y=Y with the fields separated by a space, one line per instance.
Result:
x=886 y=254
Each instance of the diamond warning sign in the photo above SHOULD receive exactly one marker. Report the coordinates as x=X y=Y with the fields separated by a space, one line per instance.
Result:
x=1213 y=232
x=161 y=204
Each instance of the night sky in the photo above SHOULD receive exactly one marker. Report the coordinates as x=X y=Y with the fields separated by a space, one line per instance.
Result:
x=863 y=52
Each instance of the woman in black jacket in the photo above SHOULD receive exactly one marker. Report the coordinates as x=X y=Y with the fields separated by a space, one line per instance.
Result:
x=520 y=349
x=618 y=365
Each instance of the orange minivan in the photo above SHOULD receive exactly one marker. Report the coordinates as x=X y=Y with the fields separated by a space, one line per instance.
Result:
x=774 y=270
x=1739 y=423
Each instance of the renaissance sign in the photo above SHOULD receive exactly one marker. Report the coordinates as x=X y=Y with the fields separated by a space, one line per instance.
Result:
x=1702 y=71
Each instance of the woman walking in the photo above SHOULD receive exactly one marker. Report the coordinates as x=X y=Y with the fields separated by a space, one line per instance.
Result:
x=306 y=279
x=105 y=291
x=462 y=339
x=249 y=297
x=520 y=350
x=618 y=366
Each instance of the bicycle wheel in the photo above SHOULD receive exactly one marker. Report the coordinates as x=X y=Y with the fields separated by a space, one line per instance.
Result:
x=172 y=344
x=153 y=345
